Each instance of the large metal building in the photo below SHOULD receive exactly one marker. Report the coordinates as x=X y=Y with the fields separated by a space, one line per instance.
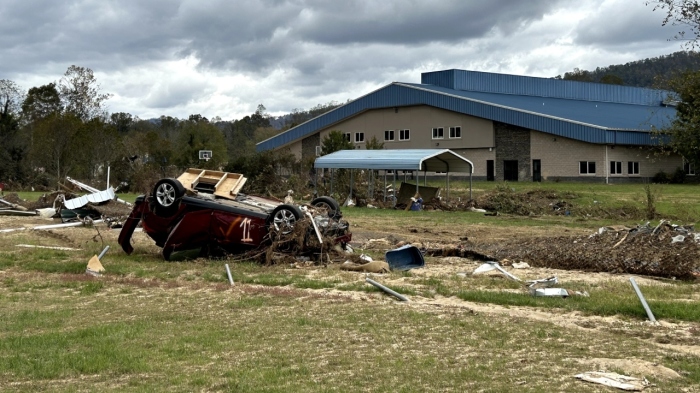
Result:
x=513 y=128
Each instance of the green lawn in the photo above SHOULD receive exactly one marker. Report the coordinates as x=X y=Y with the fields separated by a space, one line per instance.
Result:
x=149 y=325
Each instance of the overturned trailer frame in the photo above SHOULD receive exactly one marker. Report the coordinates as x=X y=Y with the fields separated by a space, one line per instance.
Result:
x=433 y=160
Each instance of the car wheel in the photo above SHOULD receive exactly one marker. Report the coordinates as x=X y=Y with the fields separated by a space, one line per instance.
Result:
x=329 y=204
x=284 y=217
x=167 y=194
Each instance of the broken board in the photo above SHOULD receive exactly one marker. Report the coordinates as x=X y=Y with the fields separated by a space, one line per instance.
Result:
x=222 y=184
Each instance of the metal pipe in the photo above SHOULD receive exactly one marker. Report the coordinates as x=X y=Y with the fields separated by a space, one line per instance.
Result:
x=384 y=185
x=103 y=253
x=65 y=225
x=394 y=192
x=352 y=180
x=228 y=272
x=387 y=290
x=447 y=176
x=470 y=184
x=641 y=298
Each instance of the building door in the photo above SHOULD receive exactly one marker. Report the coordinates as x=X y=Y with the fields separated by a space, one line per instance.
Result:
x=537 y=170
x=490 y=171
x=510 y=170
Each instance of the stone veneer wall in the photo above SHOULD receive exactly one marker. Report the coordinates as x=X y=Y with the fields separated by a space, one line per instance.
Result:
x=512 y=143
x=308 y=146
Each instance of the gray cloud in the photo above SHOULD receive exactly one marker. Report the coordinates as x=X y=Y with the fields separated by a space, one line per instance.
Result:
x=617 y=24
x=187 y=55
x=416 y=22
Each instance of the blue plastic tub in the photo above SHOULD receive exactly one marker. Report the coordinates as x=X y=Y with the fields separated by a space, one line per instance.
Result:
x=405 y=258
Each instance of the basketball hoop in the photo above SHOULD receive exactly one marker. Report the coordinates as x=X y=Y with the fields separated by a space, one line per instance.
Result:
x=205 y=155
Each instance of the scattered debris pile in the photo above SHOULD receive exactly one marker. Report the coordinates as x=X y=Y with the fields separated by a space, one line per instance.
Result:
x=664 y=251
x=69 y=206
x=506 y=200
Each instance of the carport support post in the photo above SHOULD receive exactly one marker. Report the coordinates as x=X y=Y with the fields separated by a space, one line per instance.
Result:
x=352 y=173
x=331 y=181
x=384 y=192
x=394 y=192
x=447 y=185
x=470 y=185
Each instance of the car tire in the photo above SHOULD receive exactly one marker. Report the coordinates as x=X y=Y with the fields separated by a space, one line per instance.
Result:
x=328 y=203
x=166 y=196
x=283 y=218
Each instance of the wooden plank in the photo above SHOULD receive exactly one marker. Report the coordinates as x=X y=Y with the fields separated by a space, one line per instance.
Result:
x=229 y=185
x=187 y=179
x=226 y=185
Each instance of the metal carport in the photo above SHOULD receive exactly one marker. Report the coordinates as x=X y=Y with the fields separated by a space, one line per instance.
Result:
x=433 y=160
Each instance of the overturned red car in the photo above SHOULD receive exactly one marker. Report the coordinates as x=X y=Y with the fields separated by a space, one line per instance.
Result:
x=204 y=209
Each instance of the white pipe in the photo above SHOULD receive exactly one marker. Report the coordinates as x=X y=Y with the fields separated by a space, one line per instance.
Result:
x=108 y=176
x=228 y=272
x=387 y=290
x=103 y=253
x=64 y=225
x=53 y=226
x=641 y=298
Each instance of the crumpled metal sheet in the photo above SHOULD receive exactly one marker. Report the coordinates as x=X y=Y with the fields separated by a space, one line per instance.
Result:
x=97 y=197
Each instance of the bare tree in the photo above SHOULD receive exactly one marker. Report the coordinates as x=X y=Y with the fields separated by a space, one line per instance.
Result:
x=81 y=95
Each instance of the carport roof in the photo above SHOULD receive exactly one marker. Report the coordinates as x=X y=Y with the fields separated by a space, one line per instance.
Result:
x=433 y=160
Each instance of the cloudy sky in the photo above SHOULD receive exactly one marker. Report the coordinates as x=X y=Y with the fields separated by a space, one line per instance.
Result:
x=223 y=58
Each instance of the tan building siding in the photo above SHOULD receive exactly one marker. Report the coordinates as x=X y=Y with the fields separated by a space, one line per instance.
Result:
x=420 y=121
x=294 y=148
x=560 y=158
x=478 y=157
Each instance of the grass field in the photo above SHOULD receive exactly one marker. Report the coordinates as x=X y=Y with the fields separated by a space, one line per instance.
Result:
x=148 y=325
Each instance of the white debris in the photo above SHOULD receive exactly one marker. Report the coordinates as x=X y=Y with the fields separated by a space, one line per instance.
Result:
x=614 y=380
x=97 y=197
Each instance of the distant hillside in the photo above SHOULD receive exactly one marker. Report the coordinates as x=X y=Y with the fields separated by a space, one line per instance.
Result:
x=654 y=72
x=299 y=116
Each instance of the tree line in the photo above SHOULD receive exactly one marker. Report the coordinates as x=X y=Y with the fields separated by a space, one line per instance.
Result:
x=63 y=129
x=656 y=72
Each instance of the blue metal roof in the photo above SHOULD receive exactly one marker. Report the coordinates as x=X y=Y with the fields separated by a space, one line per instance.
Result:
x=565 y=111
x=602 y=114
x=433 y=160
x=489 y=82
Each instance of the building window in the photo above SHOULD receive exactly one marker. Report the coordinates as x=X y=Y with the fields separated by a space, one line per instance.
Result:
x=438 y=133
x=632 y=168
x=689 y=168
x=404 y=135
x=389 y=135
x=455 y=132
x=359 y=137
x=586 y=167
x=347 y=136
x=615 y=167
